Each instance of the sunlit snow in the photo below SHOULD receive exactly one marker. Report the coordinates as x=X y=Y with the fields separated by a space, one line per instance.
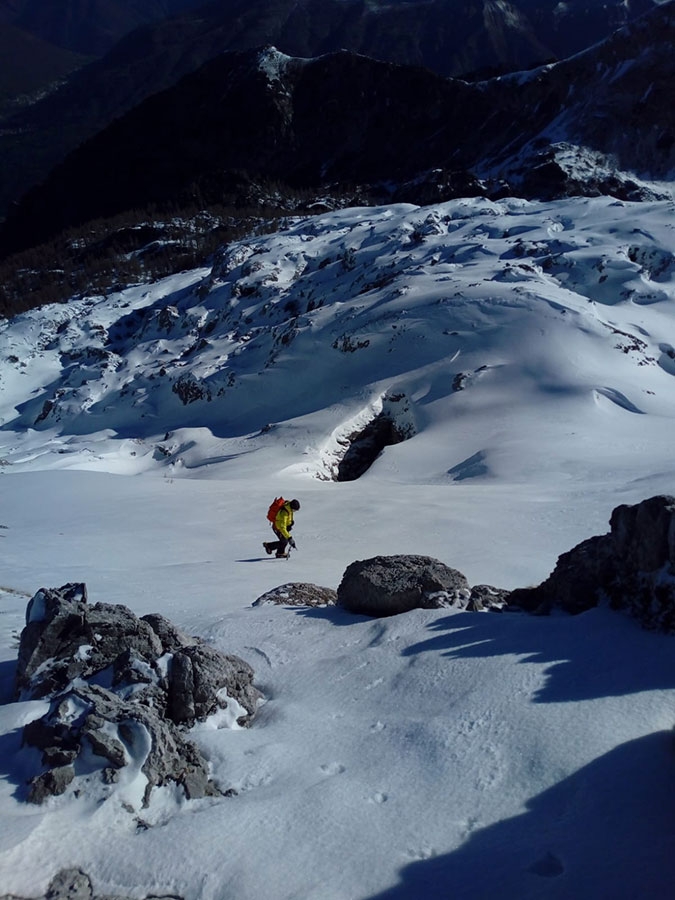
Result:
x=433 y=754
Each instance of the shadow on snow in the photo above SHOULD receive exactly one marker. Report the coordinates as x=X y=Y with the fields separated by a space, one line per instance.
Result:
x=604 y=833
x=596 y=654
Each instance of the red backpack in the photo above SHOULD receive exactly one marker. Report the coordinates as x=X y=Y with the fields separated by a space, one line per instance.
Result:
x=275 y=506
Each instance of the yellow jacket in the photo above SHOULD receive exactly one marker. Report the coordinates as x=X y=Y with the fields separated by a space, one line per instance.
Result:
x=284 y=520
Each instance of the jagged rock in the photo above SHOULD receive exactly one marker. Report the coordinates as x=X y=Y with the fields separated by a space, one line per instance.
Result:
x=299 y=594
x=631 y=568
x=486 y=597
x=171 y=637
x=65 y=638
x=156 y=679
x=644 y=535
x=388 y=585
x=51 y=783
x=189 y=390
x=167 y=318
x=198 y=674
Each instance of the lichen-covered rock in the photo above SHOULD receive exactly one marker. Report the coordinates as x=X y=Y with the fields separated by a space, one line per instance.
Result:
x=297 y=593
x=388 y=585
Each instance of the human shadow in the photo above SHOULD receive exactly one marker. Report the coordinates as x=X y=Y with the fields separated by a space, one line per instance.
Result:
x=599 y=653
x=18 y=762
x=7 y=676
x=336 y=615
x=604 y=833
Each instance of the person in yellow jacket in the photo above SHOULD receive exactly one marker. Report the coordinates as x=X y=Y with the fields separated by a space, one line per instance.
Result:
x=283 y=522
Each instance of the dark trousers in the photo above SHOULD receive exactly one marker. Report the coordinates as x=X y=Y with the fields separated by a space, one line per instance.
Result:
x=281 y=544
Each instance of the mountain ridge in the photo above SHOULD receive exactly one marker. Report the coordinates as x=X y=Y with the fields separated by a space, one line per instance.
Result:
x=492 y=37
x=88 y=29
x=349 y=119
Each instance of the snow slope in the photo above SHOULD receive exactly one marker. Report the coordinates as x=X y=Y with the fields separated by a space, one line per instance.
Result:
x=433 y=754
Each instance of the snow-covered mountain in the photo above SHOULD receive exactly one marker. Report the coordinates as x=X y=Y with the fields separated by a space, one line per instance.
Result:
x=523 y=352
x=461 y=307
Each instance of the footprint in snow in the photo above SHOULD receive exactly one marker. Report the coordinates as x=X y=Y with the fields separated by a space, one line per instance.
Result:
x=422 y=853
x=332 y=769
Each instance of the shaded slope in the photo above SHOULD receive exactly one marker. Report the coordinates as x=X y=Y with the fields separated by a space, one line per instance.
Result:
x=348 y=119
x=29 y=65
x=489 y=36
x=89 y=28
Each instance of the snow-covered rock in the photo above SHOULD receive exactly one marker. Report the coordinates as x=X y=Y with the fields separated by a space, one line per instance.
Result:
x=121 y=694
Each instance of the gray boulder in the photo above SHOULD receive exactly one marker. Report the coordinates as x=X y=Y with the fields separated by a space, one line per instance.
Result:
x=388 y=585
x=632 y=568
x=74 y=884
x=297 y=593
x=197 y=676
x=51 y=783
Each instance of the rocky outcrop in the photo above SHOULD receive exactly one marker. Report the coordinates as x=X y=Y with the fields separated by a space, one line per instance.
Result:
x=122 y=691
x=92 y=722
x=297 y=593
x=632 y=568
x=486 y=598
x=388 y=585
x=74 y=884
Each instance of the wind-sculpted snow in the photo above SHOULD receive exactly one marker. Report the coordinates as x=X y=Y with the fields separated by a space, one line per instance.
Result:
x=460 y=306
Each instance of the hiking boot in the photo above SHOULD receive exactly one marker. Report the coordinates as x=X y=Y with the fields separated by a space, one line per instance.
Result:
x=267 y=547
x=282 y=555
